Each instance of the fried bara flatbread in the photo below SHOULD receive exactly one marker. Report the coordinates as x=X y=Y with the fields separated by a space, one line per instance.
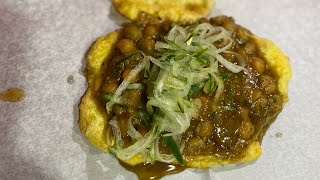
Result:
x=172 y=10
x=94 y=122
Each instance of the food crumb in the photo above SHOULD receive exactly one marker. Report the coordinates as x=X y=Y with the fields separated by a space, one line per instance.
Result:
x=70 y=79
x=278 y=135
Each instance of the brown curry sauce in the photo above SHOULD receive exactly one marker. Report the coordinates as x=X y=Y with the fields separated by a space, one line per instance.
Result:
x=153 y=171
x=12 y=95
x=247 y=106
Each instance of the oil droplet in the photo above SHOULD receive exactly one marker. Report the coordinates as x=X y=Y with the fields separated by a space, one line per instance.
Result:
x=12 y=95
x=70 y=79
x=278 y=135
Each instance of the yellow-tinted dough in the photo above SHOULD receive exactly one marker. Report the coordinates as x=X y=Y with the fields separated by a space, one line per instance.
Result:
x=172 y=10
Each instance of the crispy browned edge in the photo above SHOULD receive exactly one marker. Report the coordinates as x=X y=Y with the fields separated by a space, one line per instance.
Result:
x=93 y=121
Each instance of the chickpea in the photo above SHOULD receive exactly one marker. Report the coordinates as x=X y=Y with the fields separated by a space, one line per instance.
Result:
x=262 y=102
x=258 y=65
x=219 y=20
x=126 y=46
x=132 y=32
x=131 y=110
x=242 y=34
x=222 y=136
x=244 y=113
x=110 y=87
x=195 y=142
x=246 y=129
x=205 y=103
x=267 y=84
x=277 y=99
x=150 y=31
x=133 y=98
x=250 y=47
x=230 y=26
x=204 y=129
x=118 y=109
x=203 y=20
x=244 y=55
x=206 y=106
x=147 y=44
x=256 y=94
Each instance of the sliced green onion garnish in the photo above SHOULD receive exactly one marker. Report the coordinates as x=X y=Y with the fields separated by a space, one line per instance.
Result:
x=187 y=63
x=194 y=89
x=210 y=86
x=145 y=117
x=173 y=147
x=126 y=57
x=201 y=52
x=106 y=97
x=225 y=75
x=135 y=86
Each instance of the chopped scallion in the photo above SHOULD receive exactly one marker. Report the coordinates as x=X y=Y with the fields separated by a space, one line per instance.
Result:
x=145 y=117
x=194 y=89
x=126 y=57
x=106 y=97
x=225 y=75
x=173 y=147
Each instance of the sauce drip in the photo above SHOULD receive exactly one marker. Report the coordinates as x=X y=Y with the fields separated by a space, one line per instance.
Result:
x=278 y=135
x=155 y=171
x=12 y=95
x=70 y=79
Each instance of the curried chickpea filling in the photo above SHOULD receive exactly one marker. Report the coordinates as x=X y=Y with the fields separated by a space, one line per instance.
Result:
x=246 y=106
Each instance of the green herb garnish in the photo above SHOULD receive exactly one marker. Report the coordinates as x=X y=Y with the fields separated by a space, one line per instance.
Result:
x=145 y=117
x=210 y=86
x=106 y=97
x=173 y=147
x=194 y=89
x=201 y=52
x=126 y=57
x=225 y=75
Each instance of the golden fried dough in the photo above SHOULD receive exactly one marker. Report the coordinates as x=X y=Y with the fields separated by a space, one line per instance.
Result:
x=93 y=121
x=278 y=63
x=172 y=10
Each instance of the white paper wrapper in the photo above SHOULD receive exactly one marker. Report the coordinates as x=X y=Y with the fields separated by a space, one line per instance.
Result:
x=42 y=42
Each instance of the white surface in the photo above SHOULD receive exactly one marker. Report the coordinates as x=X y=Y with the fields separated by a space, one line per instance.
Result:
x=42 y=42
